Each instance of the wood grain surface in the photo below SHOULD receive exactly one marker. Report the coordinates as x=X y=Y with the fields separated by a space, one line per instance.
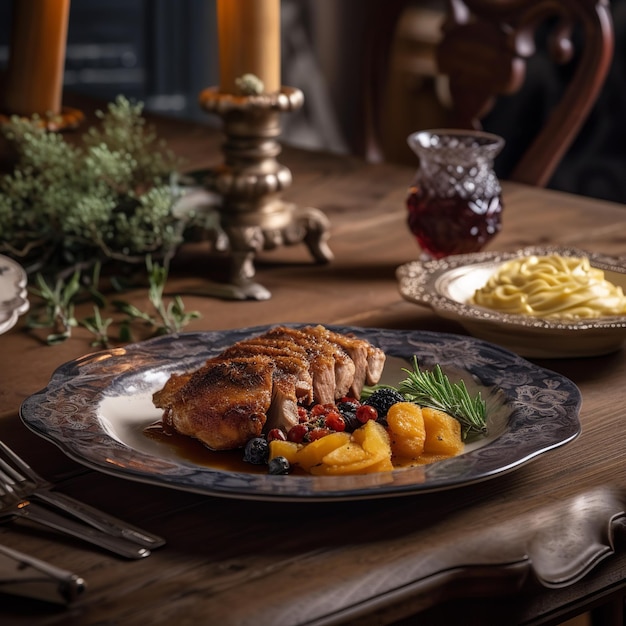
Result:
x=460 y=556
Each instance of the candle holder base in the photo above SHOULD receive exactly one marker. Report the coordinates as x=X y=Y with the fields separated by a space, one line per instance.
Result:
x=290 y=224
x=67 y=119
x=252 y=215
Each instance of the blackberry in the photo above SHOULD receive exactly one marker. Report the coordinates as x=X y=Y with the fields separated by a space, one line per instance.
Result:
x=382 y=400
x=256 y=451
x=279 y=465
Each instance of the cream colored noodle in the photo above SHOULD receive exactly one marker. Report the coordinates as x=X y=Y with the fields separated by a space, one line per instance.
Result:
x=551 y=286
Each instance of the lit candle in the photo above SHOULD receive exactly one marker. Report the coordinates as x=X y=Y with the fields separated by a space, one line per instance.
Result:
x=249 y=42
x=34 y=76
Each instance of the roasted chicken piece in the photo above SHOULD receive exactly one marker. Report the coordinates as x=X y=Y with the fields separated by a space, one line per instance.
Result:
x=223 y=404
x=286 y=355
x=258 y=383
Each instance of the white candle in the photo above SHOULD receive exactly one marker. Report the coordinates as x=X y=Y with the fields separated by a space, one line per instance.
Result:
x=34 y=76
x=249 y=42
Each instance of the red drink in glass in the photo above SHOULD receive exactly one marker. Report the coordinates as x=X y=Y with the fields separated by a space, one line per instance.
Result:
x=455 y=201
x=452 y=225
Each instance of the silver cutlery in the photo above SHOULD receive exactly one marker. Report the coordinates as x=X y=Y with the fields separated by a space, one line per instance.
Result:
x=21 y=482
x=24 y=575
x=12 y=506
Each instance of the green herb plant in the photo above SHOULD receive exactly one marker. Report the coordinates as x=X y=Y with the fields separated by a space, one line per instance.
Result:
x=169 y=318
x=66 y=206
x=57 y=308
x=57 y=311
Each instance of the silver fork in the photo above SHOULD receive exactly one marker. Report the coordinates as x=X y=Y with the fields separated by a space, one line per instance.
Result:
x=24 y=483
x=13 y=505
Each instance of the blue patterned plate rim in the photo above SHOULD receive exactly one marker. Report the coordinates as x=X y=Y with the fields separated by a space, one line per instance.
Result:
x=13 y=292
x=94 y=407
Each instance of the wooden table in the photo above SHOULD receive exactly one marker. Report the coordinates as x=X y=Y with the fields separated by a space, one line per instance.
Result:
x=235 y=562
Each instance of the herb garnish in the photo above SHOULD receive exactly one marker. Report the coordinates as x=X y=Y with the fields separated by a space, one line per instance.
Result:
x=433 y=389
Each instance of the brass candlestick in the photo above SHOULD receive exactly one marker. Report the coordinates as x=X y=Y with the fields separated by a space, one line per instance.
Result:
x=67 y=119
x=252 y=214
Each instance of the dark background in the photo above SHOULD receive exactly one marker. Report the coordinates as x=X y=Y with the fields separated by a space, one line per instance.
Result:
x=160 y=51
x=164 y=52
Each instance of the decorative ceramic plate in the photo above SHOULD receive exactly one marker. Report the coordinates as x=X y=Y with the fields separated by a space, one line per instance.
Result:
x=13 y=295
x=446 y=285
x=97 y=408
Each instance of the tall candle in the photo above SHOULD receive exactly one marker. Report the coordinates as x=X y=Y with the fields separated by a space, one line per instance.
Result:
x=34 y=76
x=249 y=42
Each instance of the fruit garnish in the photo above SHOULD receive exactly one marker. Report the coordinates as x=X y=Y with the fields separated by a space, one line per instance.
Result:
x=435 y=390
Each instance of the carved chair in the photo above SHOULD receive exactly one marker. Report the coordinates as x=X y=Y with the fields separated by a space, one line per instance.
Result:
x=484 y=52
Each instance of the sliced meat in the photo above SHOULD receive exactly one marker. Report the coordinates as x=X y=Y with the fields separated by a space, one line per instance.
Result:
x=258 y=383
x=332 y=369
x=223 y=404
x=375 y=364
x=283 y=410
x=357 y=349
x=287 y=357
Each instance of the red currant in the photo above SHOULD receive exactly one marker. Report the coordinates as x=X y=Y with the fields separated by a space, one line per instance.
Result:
x=318 y=409
x=276 y=433
x=303 y=416
x=297 y=432
x=349 y=400
x=334 y=421
x=317 y=433
x=365 y=413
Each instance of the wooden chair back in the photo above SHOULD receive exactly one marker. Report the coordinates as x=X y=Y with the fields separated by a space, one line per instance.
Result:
x=484 y=52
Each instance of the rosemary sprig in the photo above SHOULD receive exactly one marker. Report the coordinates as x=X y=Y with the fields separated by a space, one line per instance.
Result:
x=57 y=311
x=169 y=317
x=433 y=389
x=98 y=326
x=58 y=300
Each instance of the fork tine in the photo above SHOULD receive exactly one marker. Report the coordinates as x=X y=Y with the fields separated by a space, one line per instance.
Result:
x=3 y=491
x=7 y=490
x=24 y=482
x=8 y=472
x=6 y=481
x=20 y=463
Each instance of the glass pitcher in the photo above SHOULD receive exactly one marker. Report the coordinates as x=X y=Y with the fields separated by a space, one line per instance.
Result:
x=455 y=200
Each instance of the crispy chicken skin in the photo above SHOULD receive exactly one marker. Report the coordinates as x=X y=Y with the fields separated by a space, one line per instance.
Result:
x=258 y=383
x=223 y=404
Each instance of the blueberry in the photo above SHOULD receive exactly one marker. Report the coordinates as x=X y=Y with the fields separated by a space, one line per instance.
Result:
x=279 y=465
x=347 y=406
x=256 y=451
x=348 y=412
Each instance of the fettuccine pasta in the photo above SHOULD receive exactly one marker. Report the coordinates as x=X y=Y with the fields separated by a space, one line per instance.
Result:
x=552 y=287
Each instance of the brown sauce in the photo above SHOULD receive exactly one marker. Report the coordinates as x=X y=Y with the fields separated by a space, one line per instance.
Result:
x=192 y=450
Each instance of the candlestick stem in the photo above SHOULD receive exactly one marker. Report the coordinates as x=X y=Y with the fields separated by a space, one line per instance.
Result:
x=250 y=182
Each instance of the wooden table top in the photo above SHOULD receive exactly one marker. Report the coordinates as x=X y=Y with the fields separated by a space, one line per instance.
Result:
x=230 y=561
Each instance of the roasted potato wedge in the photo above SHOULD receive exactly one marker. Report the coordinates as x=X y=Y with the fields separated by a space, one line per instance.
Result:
x=406 y=430
x=443 y=433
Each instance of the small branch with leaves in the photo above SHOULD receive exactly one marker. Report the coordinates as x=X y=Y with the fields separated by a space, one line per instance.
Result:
x=435 y=390
x=169 y=318
x=57 y=310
